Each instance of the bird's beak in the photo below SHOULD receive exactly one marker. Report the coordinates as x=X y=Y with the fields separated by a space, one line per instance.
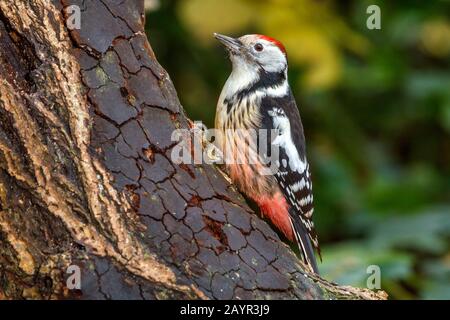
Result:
x=232 y=44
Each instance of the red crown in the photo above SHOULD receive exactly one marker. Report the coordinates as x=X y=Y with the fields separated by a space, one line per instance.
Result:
x=274 y=41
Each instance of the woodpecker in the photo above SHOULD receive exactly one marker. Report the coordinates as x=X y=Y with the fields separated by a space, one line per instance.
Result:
x=257 y=96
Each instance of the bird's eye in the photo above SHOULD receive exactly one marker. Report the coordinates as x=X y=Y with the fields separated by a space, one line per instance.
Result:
x=258 y=47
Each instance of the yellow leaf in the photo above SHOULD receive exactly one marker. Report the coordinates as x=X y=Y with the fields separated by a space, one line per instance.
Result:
x=204 y=17
x=435 y=38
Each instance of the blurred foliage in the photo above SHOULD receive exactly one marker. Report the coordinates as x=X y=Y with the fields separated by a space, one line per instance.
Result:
x=376 y=110
x=313 y=44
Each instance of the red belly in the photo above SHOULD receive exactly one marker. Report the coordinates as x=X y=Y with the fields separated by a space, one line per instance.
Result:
x=275 y=208
x=262 y=190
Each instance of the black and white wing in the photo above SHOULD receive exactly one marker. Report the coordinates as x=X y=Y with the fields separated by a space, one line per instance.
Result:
x=293 y=174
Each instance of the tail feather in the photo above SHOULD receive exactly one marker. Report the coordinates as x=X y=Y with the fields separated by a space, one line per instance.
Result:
x=304 y=243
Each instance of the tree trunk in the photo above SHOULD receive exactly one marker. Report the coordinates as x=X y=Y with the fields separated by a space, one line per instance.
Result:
x=87 y=181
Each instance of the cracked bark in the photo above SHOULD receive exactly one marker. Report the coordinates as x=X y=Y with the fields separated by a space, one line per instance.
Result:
x=86 y=178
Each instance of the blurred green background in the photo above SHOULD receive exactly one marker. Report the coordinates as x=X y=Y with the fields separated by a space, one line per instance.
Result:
x=375 y=106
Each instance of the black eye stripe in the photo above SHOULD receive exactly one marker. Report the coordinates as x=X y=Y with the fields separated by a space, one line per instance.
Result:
x=258 y=47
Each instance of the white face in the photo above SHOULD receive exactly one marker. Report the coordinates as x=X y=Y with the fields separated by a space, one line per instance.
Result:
x=259 y=52
x=251 y=54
